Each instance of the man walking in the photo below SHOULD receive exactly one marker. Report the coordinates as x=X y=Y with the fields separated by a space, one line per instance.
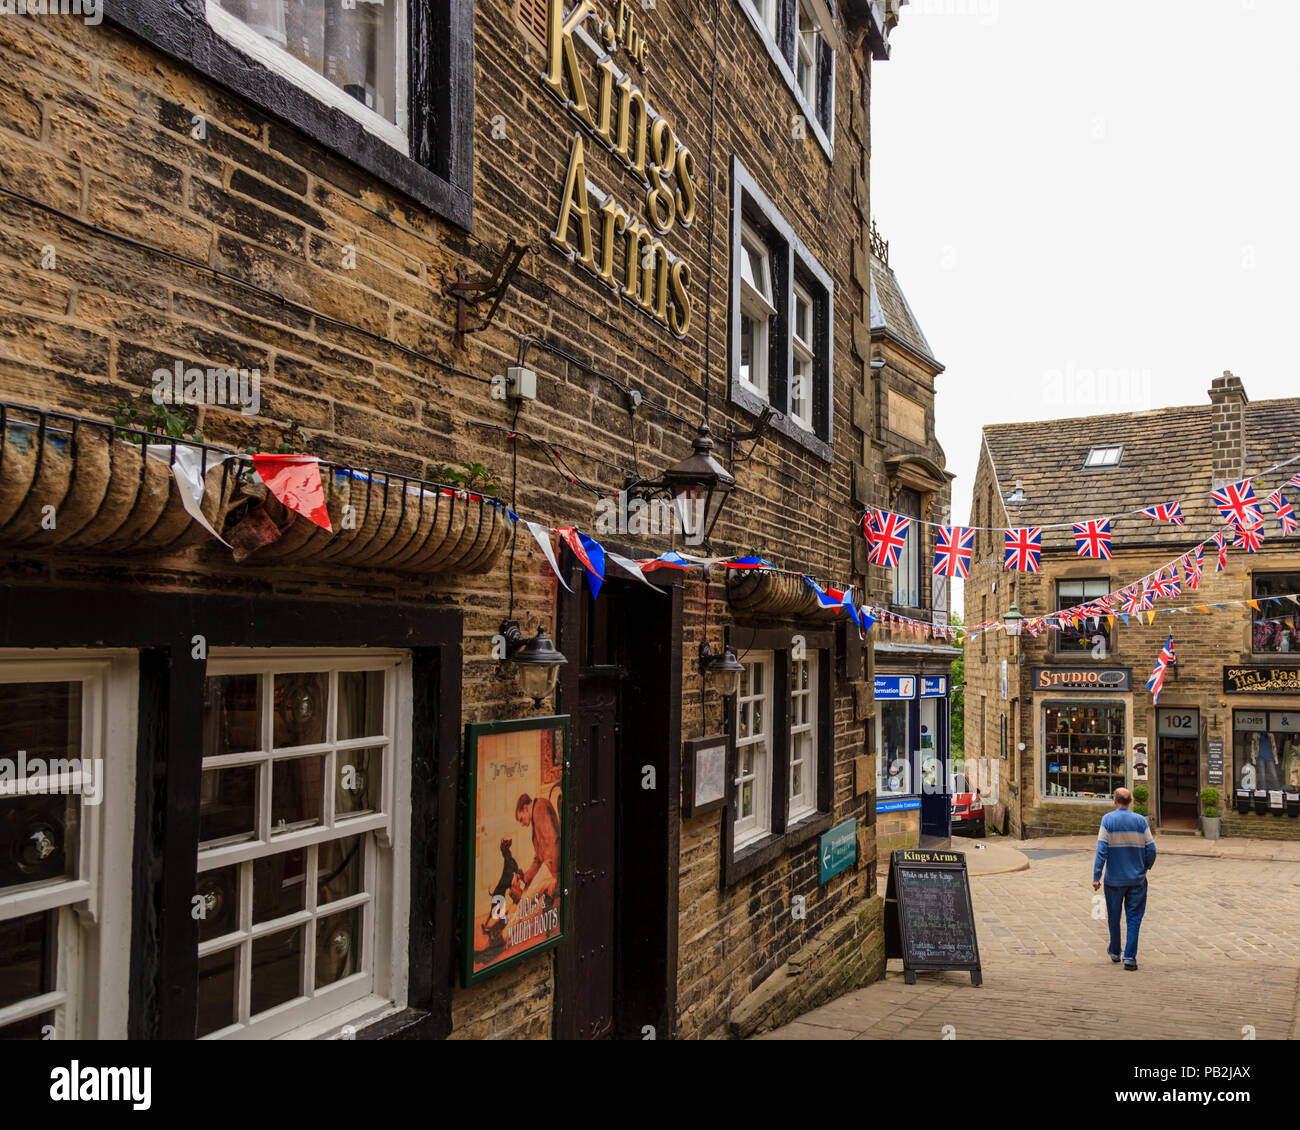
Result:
x=1126 y=849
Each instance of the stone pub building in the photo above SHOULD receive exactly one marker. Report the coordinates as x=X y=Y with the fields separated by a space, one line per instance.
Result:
x=490 y=263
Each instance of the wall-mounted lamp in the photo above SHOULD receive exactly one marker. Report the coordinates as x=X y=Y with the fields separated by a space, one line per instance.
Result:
x=1012 y=620
x=698 y=485
x=538 y=660
x=721 y=672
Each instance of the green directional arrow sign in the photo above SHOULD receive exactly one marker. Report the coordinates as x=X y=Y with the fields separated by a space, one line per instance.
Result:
x=838 y=848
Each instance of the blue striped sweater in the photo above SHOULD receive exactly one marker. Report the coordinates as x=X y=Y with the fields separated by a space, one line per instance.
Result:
x=1125 y=848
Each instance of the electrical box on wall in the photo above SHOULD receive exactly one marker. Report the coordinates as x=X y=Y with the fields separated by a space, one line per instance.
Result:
x=521 y=383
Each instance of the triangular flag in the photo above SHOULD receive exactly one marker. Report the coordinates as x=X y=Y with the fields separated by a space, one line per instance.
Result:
x=632 y=567
x=295 y=482
x=187 y=466
x=590 y=553
x=1254 y=604
x=543 y=538
x=1150 y=617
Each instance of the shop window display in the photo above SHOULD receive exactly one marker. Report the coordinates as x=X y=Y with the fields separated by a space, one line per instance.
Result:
x=1266 y=749
x=893 y=765
x=1084 y=747
x=1276 y=627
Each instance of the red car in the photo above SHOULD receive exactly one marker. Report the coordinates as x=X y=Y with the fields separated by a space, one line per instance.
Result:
x=967 y=809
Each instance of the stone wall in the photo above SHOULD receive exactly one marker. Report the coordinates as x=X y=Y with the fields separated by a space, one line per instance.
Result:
x=99 y=126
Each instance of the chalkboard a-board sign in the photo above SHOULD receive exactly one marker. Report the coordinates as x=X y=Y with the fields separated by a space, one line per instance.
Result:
x=929 y=921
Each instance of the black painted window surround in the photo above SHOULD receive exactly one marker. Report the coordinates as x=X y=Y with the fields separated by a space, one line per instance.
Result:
x=791 y=263
x=438 y=173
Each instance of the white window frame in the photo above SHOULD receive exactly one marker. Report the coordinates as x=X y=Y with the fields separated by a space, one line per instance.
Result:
x=94 y=910
x=804 y=363
x=1107 y=455
x=806 y=42
x=762 y=15
x=765 y=12
x=748 y=829
x=279 y=61
x=804 y=717
x=380 y=985
x=756 y=303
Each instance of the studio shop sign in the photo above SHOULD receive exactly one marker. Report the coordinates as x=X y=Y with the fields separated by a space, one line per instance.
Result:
x=1082 y=678
x=615 y=244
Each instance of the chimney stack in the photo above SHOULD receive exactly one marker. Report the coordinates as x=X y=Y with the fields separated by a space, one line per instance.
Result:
x=1228 y=429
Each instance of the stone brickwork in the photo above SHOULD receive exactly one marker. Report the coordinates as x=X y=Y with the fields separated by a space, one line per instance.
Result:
x=98 y=125
x=1209 y=633
x=844 y=957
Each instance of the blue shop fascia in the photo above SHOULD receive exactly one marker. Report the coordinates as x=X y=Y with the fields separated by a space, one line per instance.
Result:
x=912 y=732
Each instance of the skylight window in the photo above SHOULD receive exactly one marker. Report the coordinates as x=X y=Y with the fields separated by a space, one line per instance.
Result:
x=1103 y=457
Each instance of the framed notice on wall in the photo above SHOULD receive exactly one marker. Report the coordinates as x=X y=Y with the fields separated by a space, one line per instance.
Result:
x=516 y=842
x=704 y=775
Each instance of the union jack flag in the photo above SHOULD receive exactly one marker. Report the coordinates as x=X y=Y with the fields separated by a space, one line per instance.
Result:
x=1148 y=595
x=869 y=532
x=890 y=536
x=1171 y=584
x=1024 y=549
x=1133 y=600
x=1285 y=512
x=1158 y=586
x=1249 y=538
x=1237 y=503
x=953 y=553
x=1093 y=538
x=1293 y=481
x=1222 y=543
x=1193 y=564
x=1168 y=512
x=1156 y=683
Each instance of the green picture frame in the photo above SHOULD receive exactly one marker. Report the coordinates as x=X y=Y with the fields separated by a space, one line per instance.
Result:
x=515 y=894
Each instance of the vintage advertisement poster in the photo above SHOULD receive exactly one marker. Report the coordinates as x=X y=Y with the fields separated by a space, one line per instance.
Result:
x=516 y=855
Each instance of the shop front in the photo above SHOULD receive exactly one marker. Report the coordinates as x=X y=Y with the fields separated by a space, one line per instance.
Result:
x=1083 y=719
x=1263 y=752
x=913 y=764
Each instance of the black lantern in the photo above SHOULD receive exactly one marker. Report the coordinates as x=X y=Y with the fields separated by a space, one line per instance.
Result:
x=538 y=660
x=698 y=486
x=722 y=672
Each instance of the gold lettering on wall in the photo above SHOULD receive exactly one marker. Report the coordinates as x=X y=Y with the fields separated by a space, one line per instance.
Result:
x=644 y=142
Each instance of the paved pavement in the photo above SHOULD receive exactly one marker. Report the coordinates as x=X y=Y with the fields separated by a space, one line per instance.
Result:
x=1219 y=956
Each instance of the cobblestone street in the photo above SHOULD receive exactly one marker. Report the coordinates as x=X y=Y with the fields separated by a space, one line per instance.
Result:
x=1219 y=956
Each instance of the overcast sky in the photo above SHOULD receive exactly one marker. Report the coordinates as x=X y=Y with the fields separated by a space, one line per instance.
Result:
x=1069 y=188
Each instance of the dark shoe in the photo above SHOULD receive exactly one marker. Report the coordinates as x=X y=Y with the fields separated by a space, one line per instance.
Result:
x=1113 y=956
x=1128 y=966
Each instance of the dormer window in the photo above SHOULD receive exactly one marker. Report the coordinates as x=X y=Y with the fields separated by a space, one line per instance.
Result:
x=1104 y=457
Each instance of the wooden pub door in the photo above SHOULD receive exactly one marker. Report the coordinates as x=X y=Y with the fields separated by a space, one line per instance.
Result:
x=614 y=972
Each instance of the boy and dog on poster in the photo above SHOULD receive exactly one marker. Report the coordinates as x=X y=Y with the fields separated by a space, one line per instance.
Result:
x=519 y=844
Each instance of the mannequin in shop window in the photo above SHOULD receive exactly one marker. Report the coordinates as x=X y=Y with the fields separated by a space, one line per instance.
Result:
x=1265 y=761
x=1291 y=764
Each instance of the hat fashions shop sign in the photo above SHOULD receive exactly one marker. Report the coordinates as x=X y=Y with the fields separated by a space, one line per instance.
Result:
x=1261 y=680
x=590 y=228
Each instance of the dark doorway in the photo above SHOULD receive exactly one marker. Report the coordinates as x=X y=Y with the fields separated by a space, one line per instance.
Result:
x=1178 y=776
x=616 y=974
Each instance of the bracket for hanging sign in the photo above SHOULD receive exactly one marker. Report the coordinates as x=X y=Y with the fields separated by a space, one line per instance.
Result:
x=473 y=294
